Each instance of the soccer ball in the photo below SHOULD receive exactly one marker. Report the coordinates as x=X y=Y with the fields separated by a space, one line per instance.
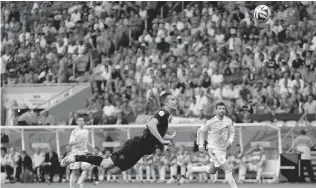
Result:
x=262 y=13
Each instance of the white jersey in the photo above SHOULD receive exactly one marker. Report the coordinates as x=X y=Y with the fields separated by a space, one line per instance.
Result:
x=81 y=135
x=218 y=131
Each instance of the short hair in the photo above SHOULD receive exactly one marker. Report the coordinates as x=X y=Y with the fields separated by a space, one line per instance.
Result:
x=163 y=98
x=81 y=116
x=219 y=104
x=303 y=132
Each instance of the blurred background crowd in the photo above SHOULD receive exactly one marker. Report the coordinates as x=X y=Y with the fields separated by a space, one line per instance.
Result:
x=132 y=51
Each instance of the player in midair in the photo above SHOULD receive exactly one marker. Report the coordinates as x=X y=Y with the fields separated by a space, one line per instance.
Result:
x=79 y=140
x=155 y=135
x=218 y=129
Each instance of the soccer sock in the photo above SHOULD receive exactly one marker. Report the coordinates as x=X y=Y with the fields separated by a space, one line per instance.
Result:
x=92 y=159
x=82 y=177
x=72 y=180
x=230 y=179
x=124 y=175
x=200 y=169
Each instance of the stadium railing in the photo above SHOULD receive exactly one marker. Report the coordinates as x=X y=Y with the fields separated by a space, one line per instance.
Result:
x=129 y=128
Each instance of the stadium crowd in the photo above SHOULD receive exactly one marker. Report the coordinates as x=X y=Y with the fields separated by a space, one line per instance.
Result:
x=132 y=51
x=161 y=167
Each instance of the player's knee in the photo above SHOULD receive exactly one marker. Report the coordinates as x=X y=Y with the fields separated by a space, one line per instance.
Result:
x=213 y=170
x=115 y=170
x=107 y=164
x=85 y=166
x=226 y=167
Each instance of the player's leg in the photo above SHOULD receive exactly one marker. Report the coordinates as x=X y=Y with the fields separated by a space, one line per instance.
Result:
x=124 y=176
x=140 y=170
x=108 y=176
x=310 y=171
x=91 y=159
x=173 y=173
x=153 y=173
x=211 y=169
x=126 y=157
x=113 y=178
x=162 y=173
x=67 y=173
x=214 y=177
x=221 y=158
x=99 y=173
x=85 y=168
x=74 y=174
x=129 y=174
x=148 y=172
x=242 y=172
x=183 y=174
x=259 y=169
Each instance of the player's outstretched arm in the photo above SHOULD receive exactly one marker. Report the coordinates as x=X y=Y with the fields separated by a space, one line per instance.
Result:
x=231 y=133
x=200 y=135
x=169 y=137
x=152 y=126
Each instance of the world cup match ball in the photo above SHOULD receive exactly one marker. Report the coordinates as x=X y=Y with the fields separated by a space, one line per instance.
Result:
x=262 y=13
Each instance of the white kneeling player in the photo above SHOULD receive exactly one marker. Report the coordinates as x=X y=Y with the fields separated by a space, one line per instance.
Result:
x=79 y=140
x=218 y=129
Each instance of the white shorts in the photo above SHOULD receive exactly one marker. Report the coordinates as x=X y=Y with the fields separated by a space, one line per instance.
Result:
x=218 y=157
x=78 y=165
x=252 y=167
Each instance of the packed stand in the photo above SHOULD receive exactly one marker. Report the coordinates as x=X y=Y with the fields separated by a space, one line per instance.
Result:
x=168 y=166
x=200 y=51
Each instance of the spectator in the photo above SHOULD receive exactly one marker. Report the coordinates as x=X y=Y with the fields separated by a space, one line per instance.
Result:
x=310 y=105
x=108 y=109
x=254 y=160
x=46 y=119
x=27 y=175
x=195 y=108
x=303 y=144
x=13 y=165
x=261 y=106
x=4 y=157
x=127 y=110
x=183 y=158
x=38 y=159
x=29 y=118
x=170 y=164
x=65 y=170
x=158 y=167
x=71 y=119
x=160 y=49
x=26 y=161
x=51 y=165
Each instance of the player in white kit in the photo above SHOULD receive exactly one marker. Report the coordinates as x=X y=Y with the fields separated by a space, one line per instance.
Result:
x=218 y=129
x=79 y=140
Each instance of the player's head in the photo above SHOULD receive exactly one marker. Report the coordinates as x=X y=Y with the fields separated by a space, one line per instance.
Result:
x=220 y=109
x=107 y=152
x=158 y=151
x=80 y=121
x=181 y=149
x=303 y=132
x=168 y=101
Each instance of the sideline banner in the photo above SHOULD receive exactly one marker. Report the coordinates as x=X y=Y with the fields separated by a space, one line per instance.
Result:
x=35 y=100
x=28 y=100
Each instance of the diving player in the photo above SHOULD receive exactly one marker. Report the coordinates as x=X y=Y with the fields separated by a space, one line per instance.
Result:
x=155 y=135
